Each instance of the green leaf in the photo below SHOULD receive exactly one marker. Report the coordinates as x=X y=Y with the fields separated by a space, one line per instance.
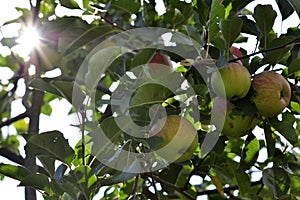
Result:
x=264 y=16
x=60 y=88
x=15 y=172
x=276 y=56
x=50 y=144
x=88 y=36
x=83 y=179
x=129 y=6
x=296 y=6
x=285 y=8
x=217 y=13
x=150 y=94
x=43 y=85
x=243 y=181
x=285 y=128
x=249 y=153
x=72 y=4
x=270 y=141
x=294 y=66
x=48 y=164
x=202 y=11
x=37 y=181
x=231 y=29
x=277 y=181
x=142 y=57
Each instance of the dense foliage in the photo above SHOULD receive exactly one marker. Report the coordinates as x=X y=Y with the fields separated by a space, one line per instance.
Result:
x=228 y=169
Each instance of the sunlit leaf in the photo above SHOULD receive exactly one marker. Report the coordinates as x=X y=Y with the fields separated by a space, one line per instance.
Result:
x=15 y=172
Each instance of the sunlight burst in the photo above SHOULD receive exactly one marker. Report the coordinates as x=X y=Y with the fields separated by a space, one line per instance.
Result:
x=28 y=40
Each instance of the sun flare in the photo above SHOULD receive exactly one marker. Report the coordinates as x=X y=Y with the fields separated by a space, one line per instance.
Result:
x=27 y=41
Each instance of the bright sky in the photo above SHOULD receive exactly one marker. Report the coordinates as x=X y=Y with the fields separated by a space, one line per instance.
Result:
x=59 y=117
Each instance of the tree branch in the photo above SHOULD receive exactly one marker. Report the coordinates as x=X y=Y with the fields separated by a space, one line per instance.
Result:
x=12 y=156
x=267 y=50
x=226 y=189
x=170 y=185
x=14 y=119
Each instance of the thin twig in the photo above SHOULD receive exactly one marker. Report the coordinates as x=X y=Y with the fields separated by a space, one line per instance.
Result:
x=196 y=168
x=136 y=183
x=170 y=185
x=226 y=189
x=267 y=50
x=14 y=119
x=113 y=24
x=154 y=186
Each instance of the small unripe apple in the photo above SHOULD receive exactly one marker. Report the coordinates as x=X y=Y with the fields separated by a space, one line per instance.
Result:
x=231 y=82
x=231 y=120
x=272 y=93
x=179 y=138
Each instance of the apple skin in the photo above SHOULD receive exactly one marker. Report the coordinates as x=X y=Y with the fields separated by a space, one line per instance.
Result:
x=161 y=59
x=160 y=64
x=236 y=53
x=183 y=145
x=230 y=120
x=271 y=93
x=234 y=79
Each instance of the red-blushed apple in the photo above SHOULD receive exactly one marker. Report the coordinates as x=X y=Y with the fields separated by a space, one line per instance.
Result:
x=231 y=120
x=236 y=53
x=231 y=82
x=272 y=93
x=161 y=59
x=179 y=138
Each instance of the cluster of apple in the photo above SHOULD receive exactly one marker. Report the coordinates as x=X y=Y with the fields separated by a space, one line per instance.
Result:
x=269 y=93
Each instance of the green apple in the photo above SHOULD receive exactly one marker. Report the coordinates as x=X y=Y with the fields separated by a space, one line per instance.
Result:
x=272 y=93
x=179 y=138
x=231 y=82
x=231 y=120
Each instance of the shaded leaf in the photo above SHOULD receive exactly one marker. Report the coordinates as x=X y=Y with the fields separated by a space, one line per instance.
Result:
x=88 y=36
x=276 y=56
x=277 y=181
x=264 y=16
x=37 y=181
x=50 y=144
x=129 y=6
x=296 y=6
x=231 y=29
x=286 y=129
x=294 y=66
x=285 y=8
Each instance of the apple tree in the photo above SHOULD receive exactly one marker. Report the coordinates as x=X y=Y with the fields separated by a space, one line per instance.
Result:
x=173 y=99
